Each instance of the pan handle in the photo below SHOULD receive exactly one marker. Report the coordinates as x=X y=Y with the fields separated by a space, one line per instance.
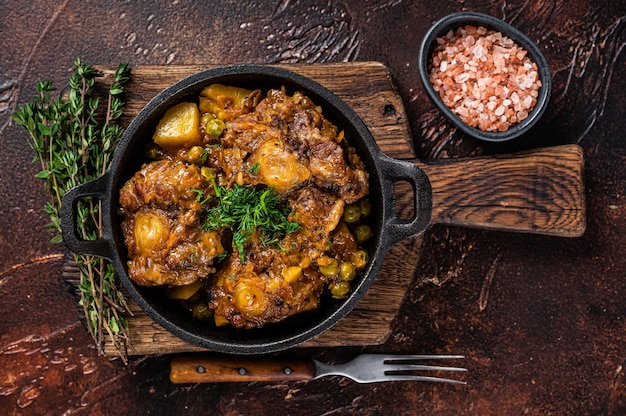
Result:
x=101 y=247
x=539 y=191
x=397 y=229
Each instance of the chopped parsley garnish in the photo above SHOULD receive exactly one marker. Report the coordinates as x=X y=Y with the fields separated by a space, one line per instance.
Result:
x=200 y=196
x=254 y=169
x=246 y=209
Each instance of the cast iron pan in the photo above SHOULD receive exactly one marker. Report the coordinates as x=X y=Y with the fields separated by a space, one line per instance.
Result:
x=537 y=192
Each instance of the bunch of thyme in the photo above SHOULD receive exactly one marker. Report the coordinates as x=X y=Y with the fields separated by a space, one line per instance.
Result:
x=74 y=141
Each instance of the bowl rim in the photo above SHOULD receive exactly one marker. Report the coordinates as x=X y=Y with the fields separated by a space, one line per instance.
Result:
x=455 y=20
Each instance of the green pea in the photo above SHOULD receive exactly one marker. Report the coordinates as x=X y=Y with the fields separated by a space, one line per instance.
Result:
x=197 y=155
x=206 y=117
x=351 y=213
x=214 y=128
x=360 y=259
x=347 y=271
x=331 y=269
x=340 y=289
x=366 y=208
x=202 y=311
x=362 y=233
x=154 y=152
x=207 y=172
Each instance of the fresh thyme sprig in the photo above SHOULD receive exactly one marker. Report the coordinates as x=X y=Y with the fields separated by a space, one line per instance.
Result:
x=246 y=209
x=73 y=143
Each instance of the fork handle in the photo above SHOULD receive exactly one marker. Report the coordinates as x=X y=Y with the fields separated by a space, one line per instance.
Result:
x=202 y=369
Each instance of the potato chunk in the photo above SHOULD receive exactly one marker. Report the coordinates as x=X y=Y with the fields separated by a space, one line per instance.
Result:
x=226 y=102
x=179 y=127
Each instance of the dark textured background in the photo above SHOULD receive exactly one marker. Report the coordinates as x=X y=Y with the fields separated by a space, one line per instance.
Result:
x=540 y=319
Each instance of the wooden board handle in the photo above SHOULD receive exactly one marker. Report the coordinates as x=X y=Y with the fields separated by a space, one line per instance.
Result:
x=539 y=191
x=202 y=369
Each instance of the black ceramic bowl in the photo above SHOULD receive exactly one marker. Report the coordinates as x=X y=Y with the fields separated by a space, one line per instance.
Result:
x=386 y=226
x=456 y=20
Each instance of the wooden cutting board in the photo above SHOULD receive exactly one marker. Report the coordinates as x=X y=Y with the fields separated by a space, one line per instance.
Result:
x=368 y=88
x=538 y=192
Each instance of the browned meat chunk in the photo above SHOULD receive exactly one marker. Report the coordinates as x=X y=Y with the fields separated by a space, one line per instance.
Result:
x=162 y=226
x=292 y=144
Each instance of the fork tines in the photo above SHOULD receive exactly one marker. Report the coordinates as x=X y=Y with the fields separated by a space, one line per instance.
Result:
x=400 y=367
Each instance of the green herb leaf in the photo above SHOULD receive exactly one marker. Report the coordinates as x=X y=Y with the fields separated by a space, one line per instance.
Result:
x=254 y=169
x=247 y=209
x=200 y=196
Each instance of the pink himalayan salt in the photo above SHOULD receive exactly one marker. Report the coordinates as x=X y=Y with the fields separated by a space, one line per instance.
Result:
x=484 y=77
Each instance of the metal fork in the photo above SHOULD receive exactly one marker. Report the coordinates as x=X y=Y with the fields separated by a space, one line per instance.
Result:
x=366 y=368
x=372 y=368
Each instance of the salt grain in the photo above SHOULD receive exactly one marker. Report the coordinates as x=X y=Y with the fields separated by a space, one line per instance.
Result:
x=527 y=102
x=462 y=78
x=484 y=77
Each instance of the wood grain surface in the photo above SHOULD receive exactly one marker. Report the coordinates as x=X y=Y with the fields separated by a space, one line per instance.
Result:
x=539 y=191
x=198 y=369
